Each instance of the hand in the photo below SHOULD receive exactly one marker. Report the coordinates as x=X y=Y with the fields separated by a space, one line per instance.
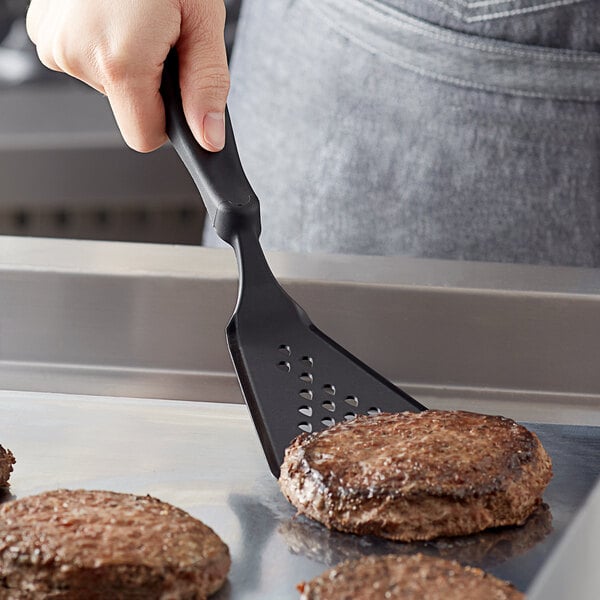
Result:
x=118 y=47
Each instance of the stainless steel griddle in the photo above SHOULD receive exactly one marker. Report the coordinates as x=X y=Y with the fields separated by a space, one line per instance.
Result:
x=206 y=459
x=114 y=375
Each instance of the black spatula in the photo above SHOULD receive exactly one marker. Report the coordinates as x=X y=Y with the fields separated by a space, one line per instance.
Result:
x=293 y=377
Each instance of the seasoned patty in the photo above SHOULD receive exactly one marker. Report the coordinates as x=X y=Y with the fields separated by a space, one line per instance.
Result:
x=415 y=577
x=417 y=476
x=73 y=544
x=7 y=460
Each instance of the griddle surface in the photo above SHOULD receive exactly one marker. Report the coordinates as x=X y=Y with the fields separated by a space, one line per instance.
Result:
x=206 y=459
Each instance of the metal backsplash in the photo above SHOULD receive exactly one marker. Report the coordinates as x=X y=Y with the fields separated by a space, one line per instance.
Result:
x=148 y=321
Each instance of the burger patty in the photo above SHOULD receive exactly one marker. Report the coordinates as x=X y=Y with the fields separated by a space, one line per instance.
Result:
x=7 y=460
x=73 y=544
x=417 y=476
x=415 y=577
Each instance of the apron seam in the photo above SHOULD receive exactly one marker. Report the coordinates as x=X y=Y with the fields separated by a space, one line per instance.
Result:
x=450 y=37
x=484 y=3
x=448 y=79
x=501 y=14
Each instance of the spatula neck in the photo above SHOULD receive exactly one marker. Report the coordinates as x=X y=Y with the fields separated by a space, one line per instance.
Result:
x=251 y=260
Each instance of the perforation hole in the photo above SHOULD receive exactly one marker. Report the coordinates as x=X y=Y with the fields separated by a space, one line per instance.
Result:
x=373 y=411
x=285 y=349
x=307 y=361
x=328 y=421
x=284 y=366
x=306 y=394
x=306 y=377
x=349 y=416
x=304 y=426
x=306 y=411
x=328 y=405
x=329 y=389
x=351 y=401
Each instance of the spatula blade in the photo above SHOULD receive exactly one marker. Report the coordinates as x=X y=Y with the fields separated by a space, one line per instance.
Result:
x=296 y=379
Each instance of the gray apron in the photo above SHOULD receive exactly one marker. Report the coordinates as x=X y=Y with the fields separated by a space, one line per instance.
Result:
x=434 y=128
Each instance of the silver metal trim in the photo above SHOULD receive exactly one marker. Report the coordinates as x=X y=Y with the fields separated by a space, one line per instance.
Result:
x=148 y=321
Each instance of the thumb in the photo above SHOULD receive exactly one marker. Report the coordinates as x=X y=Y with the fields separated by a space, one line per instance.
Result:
x=203 y=71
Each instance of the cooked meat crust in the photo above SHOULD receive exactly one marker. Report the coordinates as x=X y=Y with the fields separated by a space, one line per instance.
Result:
x=73 y=544
x=415 y=577
x=487 y=548
x=417 y=476
x=7 y=460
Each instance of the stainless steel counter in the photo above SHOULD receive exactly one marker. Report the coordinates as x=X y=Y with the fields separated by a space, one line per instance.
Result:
x=205 y=458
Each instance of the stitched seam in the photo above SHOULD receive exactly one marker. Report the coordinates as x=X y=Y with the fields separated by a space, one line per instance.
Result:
x=406 y=22
x=503 y=13
x=403 y=21
x=437 y=76
x=480 y=3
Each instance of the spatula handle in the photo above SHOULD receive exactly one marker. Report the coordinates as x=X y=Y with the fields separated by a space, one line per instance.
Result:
x=230 y=201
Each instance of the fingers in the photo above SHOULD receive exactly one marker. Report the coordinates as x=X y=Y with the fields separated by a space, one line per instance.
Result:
x=114 y=48
x=118 y=47
x=139 y=113
x=35 y=12
x=203 y=71
x=37 y=21
x=128 y=66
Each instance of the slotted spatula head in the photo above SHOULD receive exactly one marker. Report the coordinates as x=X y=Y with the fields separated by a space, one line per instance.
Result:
x=293 y=377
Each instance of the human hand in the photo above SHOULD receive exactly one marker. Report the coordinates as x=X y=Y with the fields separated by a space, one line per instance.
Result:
x=118 y=47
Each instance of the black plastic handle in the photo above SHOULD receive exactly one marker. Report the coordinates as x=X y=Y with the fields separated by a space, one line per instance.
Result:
x=230 y=201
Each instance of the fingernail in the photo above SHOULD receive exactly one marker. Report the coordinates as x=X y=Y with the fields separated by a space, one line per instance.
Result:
x=214 y=129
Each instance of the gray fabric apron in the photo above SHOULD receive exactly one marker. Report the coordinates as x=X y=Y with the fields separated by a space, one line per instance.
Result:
x=436 y=128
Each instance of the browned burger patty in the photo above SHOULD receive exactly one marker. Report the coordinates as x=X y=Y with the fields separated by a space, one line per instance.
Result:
x=417 y=476
x=7 y=460
x=415 y=577
x=73 y=544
